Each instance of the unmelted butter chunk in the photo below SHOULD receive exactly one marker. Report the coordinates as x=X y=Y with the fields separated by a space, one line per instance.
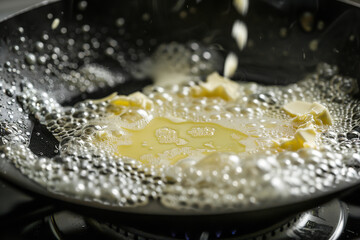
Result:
x=319 y=112
x=297 y=108
x=163 y=139
x=303 y=138
x=137 y=99
x=217 y=86
x=311 y=116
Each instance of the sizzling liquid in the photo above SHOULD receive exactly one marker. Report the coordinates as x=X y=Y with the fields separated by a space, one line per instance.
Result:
x=164 y=139
x=153 y=129
x=93 y=162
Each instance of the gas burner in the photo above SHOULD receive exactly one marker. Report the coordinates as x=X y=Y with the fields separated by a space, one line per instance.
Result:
x=324 y=222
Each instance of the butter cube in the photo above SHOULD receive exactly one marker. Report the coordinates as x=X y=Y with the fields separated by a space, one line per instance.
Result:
x=301 y=109
x=306 y=137
x=321 y=113
x=297 y=108
x=217 y=86
x=136 y=99
x=303 y=138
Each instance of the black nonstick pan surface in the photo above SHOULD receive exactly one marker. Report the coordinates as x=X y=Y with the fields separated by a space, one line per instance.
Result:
x=211 y=23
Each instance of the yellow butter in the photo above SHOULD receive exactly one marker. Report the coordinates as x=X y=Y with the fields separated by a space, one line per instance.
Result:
x=297 y=108
x=163 y=139
x=321 y=113
x=136 y=99
x=303 y=138
x=300 y=109
x=309 y=117
x=217 y=86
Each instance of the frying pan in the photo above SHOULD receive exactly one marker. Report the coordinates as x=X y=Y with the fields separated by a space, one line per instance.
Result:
x=211 y=24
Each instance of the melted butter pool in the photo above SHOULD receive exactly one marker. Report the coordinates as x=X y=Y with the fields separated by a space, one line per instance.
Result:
x=173 y=141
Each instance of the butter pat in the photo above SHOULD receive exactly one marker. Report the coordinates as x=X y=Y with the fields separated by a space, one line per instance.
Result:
x=303 y=138
x=310 y=116
x=297 y=108
x=136 y=99
x=217 y=86
x=319 y=112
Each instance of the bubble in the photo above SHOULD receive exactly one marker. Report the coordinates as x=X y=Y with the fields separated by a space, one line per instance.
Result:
x=120 y=22
x=30 y=58
x=85 y=28
x=41 y=60
x=82 y=5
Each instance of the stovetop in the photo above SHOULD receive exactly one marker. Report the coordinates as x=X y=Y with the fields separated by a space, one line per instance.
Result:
x=23 y=217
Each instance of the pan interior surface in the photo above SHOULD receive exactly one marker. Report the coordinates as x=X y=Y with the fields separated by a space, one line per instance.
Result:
x=72 y=58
